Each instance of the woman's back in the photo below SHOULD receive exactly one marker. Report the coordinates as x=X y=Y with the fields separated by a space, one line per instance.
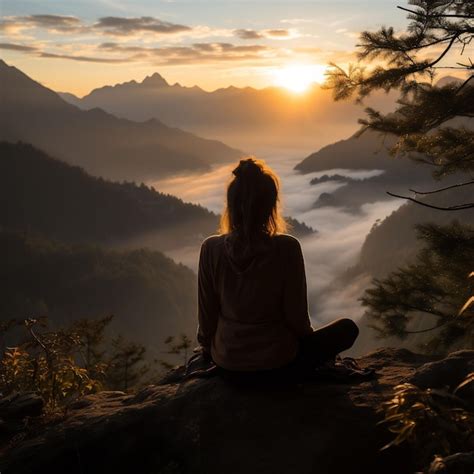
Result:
x=252 y=301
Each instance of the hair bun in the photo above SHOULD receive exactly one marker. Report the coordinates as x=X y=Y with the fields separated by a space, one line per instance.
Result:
x=247 y=166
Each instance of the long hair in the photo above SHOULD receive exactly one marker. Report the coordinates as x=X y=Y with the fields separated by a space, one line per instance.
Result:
x=253 y=204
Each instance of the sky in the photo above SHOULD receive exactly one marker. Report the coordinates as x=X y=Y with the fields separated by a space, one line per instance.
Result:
x=76 y=46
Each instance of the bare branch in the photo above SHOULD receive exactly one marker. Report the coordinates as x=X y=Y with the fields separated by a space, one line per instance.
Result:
x=463 y=68
x=441 y=15
x=459 y=207
x=429 y=329
x=443 y=189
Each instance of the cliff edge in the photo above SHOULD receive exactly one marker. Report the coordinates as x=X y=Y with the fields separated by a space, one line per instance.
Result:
x=213 y=426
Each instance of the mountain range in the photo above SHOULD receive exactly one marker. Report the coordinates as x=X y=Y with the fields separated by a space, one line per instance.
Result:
x=254 y=118
x=96 y=140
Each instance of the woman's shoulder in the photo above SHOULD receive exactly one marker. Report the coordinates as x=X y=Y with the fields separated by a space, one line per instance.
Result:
x=283 y=240
x=287 y=239
x=213 y=240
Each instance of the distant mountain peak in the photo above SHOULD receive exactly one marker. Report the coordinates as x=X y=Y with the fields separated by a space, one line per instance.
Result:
x=155 y=80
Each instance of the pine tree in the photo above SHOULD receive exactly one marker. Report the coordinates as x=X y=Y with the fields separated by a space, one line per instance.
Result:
x=91 y=342
x=126 y=367
x=431 y=126
x=430 y=121
x=434 y=285
x=179 y=346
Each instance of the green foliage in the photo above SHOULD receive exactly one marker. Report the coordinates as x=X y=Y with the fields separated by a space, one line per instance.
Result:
x=68 y=363
x=422 y=120
x=431 y=127
x=434 y=284
x=46 y=363
x=434 y=422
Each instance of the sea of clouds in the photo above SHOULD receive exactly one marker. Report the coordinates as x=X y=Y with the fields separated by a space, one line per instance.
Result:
x=328 y=253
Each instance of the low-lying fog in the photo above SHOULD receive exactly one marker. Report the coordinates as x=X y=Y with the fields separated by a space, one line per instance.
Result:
x=328 y=253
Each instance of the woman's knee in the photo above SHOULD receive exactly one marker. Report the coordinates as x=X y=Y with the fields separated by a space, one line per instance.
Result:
x=350 y=328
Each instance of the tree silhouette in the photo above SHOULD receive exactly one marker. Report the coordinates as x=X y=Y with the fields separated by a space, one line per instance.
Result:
x=429 y=121
x=430 y=126
x=434 y=284
x=91 y=342
x=177 y=345
x=126 y=365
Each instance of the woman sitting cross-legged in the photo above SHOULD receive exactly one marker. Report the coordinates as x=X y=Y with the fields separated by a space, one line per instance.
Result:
x=252 y=297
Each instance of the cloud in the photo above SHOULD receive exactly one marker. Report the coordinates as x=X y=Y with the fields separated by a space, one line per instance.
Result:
x=119 y=26
x=58 y=22
x=51 y=23
x=166 y=55
x=110 y=25
x=202 y=52
x=17 y=47
x=111 y=52
x=87 y=59
x=277 y=33
x=144 y=29
x=248 y=34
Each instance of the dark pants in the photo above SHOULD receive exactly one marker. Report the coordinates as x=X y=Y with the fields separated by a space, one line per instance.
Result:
x=328 y=341
x=320 y=346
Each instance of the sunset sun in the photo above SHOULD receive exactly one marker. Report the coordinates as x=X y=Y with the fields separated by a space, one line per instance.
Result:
x=299 y=77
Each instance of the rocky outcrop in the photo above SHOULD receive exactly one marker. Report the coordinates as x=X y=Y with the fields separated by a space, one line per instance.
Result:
x=15 y=410
x=448 y=372
x=216 y=426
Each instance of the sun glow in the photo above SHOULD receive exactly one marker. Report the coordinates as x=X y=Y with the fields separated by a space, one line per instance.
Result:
x=299 y=77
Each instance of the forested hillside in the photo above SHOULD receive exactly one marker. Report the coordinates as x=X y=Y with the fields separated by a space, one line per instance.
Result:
x=45 y=195
x=150 y=296
x=368 y=151
x=392 y=244
x=393 y=241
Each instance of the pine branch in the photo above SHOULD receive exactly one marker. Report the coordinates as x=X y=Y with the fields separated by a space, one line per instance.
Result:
x=443 y=54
